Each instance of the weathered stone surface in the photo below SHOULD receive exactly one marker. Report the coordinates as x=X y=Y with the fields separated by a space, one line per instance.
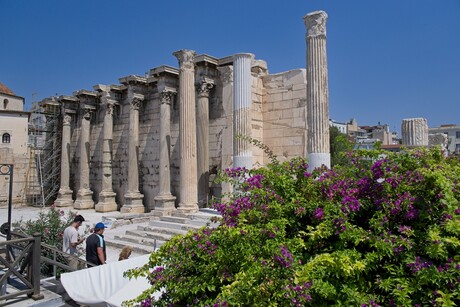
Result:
x=317 y=91
x=414 y=132
x=187 y=134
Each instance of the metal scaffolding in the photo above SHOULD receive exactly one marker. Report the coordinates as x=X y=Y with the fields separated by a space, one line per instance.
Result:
x=43 y=178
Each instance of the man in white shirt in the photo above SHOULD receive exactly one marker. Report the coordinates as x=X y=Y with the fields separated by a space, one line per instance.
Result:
x=70 y=240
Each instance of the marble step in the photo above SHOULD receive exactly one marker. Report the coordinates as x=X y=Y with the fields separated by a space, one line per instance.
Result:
x=163 y=230
x=198 y=220
x=148 y=243
x=173 y=225
x=149 y=235
x=119 y=242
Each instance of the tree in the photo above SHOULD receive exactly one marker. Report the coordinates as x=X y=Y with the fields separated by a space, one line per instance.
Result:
x=340 y=145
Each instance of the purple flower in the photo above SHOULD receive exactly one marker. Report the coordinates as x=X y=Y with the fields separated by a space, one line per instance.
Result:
x=318 y=214
x=285 y=259
x=412 y=213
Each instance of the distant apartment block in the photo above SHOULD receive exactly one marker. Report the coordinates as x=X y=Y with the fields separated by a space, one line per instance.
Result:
x=366 y=136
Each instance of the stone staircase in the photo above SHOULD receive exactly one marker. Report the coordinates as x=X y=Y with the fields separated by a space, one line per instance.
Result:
x=146 y=235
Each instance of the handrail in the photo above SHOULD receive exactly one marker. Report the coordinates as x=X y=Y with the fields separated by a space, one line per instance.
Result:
x=56 y=252
x=28 y=257
x=61 y=265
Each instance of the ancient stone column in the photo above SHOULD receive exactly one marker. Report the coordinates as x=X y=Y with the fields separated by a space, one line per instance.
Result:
x=414 y=132
x=84 y=195
x=318 y=147
x=202 y=135
x=226 y=141
x=242 y=102
x=64 y=198
x=133 y=198
x=187 y=132
x=165 y=201
x=107 y=196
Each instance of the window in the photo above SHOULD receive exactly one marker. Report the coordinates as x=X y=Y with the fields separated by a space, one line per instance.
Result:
x=5 y=103
x=457 y=134
x=6 y=138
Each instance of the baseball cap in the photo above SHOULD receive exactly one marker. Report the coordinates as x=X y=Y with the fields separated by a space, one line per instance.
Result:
x=100 y=225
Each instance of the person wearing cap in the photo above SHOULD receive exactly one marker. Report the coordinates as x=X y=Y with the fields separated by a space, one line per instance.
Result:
x=70 y=240
x=95 y=245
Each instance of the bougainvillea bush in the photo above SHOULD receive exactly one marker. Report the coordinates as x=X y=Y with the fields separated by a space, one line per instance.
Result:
x=382 y=232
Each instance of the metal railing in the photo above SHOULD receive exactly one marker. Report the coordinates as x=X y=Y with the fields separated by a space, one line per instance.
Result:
x=24 y=258
x=21 y=260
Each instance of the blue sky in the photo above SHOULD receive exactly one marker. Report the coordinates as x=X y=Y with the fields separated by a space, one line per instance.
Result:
x=388 y=60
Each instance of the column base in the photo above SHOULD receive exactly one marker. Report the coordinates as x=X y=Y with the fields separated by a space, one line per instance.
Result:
x=64 y=198
x=317 y=160
x=133 y=203
x=242 y=161
x=188 y=208
x=165 y=202
x=84 y=199
x=106 y=202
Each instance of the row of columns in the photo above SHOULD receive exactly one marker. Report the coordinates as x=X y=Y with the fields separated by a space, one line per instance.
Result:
x=193 y=140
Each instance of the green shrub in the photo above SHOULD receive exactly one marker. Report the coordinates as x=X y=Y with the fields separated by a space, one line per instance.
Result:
x=383 y=231
x=50 y=223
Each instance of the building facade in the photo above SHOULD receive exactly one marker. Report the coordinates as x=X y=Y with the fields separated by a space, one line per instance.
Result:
x=13 y=145
x=121 y=144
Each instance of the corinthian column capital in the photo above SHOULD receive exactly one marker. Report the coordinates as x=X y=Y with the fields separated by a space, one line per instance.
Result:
x=186 y=58
x=108 y=102
x=204 y=87
x=135 y=100
x=86 y=113
x=315 y=22
x=67 y=119
x=167 y=95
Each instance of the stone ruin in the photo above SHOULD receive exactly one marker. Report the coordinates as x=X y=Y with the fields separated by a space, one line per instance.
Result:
x=415 y=133
x=157 y=142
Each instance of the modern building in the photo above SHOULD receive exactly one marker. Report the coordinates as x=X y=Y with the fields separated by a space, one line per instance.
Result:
x=342 y=127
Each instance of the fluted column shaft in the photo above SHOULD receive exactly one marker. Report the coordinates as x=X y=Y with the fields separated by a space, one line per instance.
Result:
x=133 y=198
x=107 y=196
x=242 y=102
x=165 y=142
x=84 y=194
x=165 y=201
x=133 y=147
x=414 y=132
x=318 y=147
x=65 y=193
x=187 y=131
x=202 y=121
x=107 y=148
x=226 y=141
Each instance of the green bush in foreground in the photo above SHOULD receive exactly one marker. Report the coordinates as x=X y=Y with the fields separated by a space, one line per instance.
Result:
x=383 y=231
x=50 y=223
